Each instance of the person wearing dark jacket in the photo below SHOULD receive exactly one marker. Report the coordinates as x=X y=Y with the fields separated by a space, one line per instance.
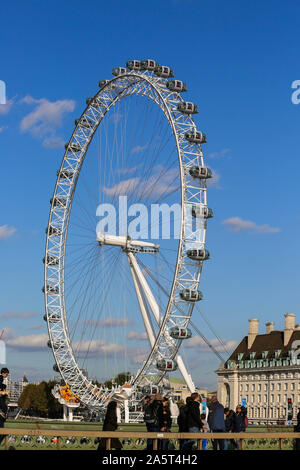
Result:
x=194 y=422
x=216 y=422
x=239 y=422
x=182 y=420
x=164 y=421
x=151 y=418
x=3 y=400
x=229 y=427
x=110 y=424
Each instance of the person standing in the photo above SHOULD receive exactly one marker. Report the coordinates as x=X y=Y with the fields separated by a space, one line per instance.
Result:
x=216 y=422
x=3 y=400
x=151 y=417
x=239 y=423
x=164 y=421
x=110 y=424
x=229 y=427
x=182 y=421
x=194 y=422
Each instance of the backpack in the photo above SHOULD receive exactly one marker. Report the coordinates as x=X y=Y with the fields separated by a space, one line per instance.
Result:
x=246 y=422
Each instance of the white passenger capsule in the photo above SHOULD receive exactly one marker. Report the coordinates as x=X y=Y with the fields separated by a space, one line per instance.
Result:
x=116 y=71
x=166 y=365
x=65 y=174
x=51 y=289
x=201 y=172
x=199 y=210
x=195 y=136
x=164 y=71
x=73 y=146
x=52 y=318
x=180 y=333
x=51 y=260
x=176 y=85
x=151 y=390
x=149 y=64
x=186 y=107
x=57 y=344
x=59 y=201
x=84 y=122
x=133 y=64
x=55 y=231
x=191 y=295
x=198 y=255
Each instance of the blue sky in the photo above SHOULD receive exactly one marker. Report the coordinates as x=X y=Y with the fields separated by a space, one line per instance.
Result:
x=239 y=60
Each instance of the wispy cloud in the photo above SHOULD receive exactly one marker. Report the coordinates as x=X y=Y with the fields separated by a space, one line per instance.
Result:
x=161 y=182
x=6 y=231
x=28 y=343
x=5 y=108
x=9 y=315
x=110 y=321
x=139 y=148
x=45 y=119
x=222 y=153
x=198 y=343
x=53 y=142
x=135 y=335
x=236 y=224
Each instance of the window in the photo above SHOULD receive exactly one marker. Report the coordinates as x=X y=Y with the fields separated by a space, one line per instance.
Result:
x=277 y=353
x=278 y=386
x=264 y=354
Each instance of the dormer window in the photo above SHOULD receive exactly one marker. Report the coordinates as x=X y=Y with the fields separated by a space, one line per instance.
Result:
x=240 y=356
x=252 y=355
x=264 y=354
x=277 y=353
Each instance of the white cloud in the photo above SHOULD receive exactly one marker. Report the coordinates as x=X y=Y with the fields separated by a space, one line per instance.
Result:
x=110 y=321
x=136 y=335
x=53 y=142
x=161 y=182
x=220 y=154
x=18 y=315
x=198 y=343
x=5 y=108
x=214 y=181
x=6 y=231
x=139 y=148
x=46 y=116
x=3 y=128
x=236 y=224
x=29 y=343
x=97 y=347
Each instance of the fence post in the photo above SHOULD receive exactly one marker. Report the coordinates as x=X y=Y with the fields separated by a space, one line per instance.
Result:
x=280 y=443
x=58 y=443
x=6 y=442
x=155 y=444
x=108 y=443
x=199 y=444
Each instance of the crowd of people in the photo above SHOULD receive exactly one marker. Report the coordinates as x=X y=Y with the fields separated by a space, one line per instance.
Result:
x=157 y=418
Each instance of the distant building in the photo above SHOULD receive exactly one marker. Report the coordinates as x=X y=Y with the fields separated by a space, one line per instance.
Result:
x=264 y=370
x=181 y=391
x=15 y=389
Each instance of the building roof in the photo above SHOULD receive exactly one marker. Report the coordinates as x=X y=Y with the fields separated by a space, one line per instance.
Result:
x=270 y=342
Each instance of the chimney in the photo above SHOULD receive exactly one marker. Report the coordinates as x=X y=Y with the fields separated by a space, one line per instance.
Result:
x=288 y=327
x=253 y=331
x=269 y=327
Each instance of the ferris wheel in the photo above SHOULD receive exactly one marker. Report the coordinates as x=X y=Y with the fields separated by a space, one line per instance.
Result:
x=126 y=234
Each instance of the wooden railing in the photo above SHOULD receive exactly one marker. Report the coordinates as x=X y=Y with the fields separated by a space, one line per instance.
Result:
x=156 y=436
